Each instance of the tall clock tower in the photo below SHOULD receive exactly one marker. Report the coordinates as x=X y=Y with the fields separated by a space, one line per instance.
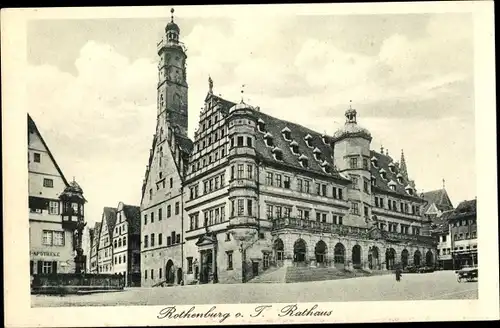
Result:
x=172 y=84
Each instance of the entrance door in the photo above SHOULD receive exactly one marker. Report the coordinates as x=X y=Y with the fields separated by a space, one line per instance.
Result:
x=206 y=266
x=255 y=268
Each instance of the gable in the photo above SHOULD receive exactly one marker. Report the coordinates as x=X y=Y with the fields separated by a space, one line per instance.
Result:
x=432 y=209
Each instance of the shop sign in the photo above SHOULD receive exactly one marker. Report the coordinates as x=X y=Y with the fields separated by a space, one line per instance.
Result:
x=45 y=253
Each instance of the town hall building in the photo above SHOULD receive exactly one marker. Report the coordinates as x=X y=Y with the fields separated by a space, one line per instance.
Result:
x=252 y=192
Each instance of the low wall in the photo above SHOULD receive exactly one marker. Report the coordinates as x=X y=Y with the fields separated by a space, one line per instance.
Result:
x=69 y=283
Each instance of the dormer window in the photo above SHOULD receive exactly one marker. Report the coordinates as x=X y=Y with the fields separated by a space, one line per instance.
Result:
x=317 y=154
x=308 y=139
x=303 y=160
x=392 y=185
x=400 y=178
x=326 y=167
x=409 y=190
x=391 y=167
x=268 y=138
x=261 y=125
x=324 y=138
x=295 y=147
x=374 y=181
x=287 y=134
x=383 y=174
x=374 y=161
x=278 y=154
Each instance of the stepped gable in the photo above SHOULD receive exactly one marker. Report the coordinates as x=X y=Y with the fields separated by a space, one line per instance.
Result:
x=274 y=126
x=133 y=215
x=439 y=198
x=110 y=217
x=225 y=104
x=381 y=184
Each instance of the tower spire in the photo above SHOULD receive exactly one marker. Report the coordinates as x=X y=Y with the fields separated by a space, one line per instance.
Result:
x=172 y=14
x=402 y=165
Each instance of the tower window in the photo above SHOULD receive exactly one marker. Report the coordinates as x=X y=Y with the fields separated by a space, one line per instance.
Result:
x=353 y=163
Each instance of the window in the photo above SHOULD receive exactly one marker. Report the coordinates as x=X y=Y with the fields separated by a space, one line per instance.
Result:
x=323 y=190
x=306 y=186
x=269 y=211
x=265 y=261
x=120 y=242
x=241 y=206
x=169 y=211
x=318 y=188
x=366 y=187
x=49 y=267
x=250 y=172
x=160 y=216
x=145 y=219
x=229 y=260
x=53 y=207
x=353 y=163
x=49 y=183
x=47 y=238
x=249 y=207
x=278 y=180
x=354 y=182
x=145 y=241
x=269 y=178
x=36 y=157
x=228 y=236
x=177 y=208
x=278 y=212
x=152 y=217
x=189 y=265
x=366 y=211
x=323 y=217
x=169 y=241
x=178 y=238
x=240 y=171
x=240 y=141
x=160 y=239
x=365 y=164
x=58 y=238
x=300 y=185
x=286 y=182
x=318 y=217
x=355 y=208
x=150 y=194
x=152 y=274
x=249 y=142
x=124 y=241
x=171 y=182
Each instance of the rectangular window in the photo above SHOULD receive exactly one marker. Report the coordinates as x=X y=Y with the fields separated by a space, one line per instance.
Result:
x=240 y=141
x=160 y=216
x=216 y=183
x=222 y=213
x=53 y=207
x=265 y=261
x=269 y=178
x=286 y=212
x=353 y=163
x=354 y=183
x=250 y=172
x=365 y=164
x=48 y=183
x=232 y=172
x=323 y=190
x=189 y=265
x=152 y=217
x=365 y=186
x=211 y=185
x=36 y=157
x=306 y=186
x=47 y=238
x=211 y=217
x=178 y=238
x=205 y=187
x=152 y=240
x=278 y=212
x=160 y=239
x=286 y=182
x=318 y=217
x=249 y=207
x=58 y=238
x=145 y=219
x=269 y=211
x=240 y=171
x=152 y=274
x=355 y=208
x=278 y=180
x=241 y=207
x=340 y=194
x=169 y=211
x=323 y=219
x=366 y=211
x=49 y=267
x=169 y=241
x=177 y=208
x=306 y=215
x=318 y=188
x=229 y=260
x=222 y=180
x=145 y=241
x=299 y=185
x=249 y=142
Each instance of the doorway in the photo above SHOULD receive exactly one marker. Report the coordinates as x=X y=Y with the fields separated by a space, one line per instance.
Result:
x=255 y=268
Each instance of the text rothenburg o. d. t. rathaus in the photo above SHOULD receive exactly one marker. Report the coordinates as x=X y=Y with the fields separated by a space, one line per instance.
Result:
x=253 y=193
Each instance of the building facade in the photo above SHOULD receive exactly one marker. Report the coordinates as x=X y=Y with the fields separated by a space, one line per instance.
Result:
x=105 y=241
x=126 y=244
x=463 y=232
x=440 y=228
x=254 y=191
x=437 y=202
x=94 y=247
x=54 y=220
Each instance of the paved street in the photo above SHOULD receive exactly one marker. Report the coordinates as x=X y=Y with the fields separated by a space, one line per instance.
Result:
x=430 y=286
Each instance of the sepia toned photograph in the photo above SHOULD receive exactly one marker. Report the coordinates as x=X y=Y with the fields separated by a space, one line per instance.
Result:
x=285 y=159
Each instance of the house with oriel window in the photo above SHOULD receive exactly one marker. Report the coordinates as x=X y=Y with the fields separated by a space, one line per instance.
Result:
x=257 y=192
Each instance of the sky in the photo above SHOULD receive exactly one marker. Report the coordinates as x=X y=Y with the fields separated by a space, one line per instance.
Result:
x=92 y=88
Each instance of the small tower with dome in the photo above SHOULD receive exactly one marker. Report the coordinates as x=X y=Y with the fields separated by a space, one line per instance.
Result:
x=352 y=158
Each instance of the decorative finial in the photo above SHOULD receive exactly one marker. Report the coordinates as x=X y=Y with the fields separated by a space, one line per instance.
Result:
x=387 y=152
x=242 y=91
x=350 y=104
x=382 y=149
x=172 y=12
x=210 y=84
x=74 y=179
x=443 y=184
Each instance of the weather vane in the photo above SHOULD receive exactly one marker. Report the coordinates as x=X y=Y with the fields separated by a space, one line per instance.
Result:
x=242 y=91
x=172 y=12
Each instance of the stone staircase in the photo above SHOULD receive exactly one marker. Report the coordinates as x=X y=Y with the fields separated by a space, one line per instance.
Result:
x=271 y=275
x=303 y=274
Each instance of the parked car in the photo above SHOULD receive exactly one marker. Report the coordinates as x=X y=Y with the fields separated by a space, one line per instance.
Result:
x=425 y=269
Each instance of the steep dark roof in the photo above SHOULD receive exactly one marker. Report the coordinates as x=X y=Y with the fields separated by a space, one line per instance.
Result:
x=465 y=208
x=225 y=104
x=383 y=162
x=185 y=144
x=439 y=198
x=33 y=128
x=133 y=215
x=440 y=224
x=110 y=217
x=274 y=126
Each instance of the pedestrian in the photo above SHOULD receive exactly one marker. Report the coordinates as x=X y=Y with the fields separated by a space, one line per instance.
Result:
x=398 y=274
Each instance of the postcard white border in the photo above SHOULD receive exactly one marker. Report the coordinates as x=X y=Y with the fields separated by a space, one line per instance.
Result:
x=17 y=299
